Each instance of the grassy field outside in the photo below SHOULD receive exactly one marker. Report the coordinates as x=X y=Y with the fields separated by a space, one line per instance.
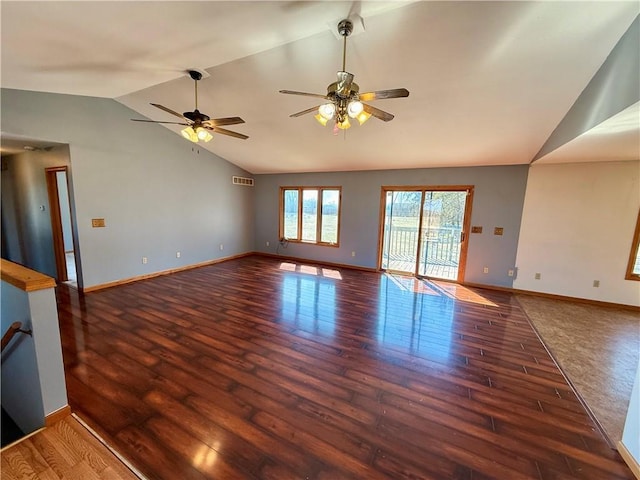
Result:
x=329 y=226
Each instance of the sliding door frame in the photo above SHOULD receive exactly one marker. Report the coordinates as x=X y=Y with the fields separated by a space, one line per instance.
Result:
x=466 y=222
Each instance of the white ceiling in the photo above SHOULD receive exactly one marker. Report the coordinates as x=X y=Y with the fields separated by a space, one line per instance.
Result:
x=489 y=81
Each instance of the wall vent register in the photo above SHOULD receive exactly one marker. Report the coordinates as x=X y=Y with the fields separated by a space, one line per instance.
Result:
x=242 y=181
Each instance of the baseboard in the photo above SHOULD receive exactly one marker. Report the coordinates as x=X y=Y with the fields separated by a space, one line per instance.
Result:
x=124 y=281
x=552 y=296
x=117 y=454
x=586 y=301
x=315 y=262
x=55 y=417
x=629 y=460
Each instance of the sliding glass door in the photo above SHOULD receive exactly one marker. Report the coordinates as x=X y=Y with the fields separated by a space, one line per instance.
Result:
x=423 y=231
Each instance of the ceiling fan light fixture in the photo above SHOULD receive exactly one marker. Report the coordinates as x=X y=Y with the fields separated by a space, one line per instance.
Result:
x=190 y=134
x=345 y=99
x=203 y=134
x=355 y=108
x=327 y=110
x=321 y=120
x=363 y=117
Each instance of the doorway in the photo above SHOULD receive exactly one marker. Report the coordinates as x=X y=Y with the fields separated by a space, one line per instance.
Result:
x=423 y=230
x=61 y=226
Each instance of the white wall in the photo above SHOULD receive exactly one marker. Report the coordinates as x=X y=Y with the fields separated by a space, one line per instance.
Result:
x=577 y=226
x=631 y=433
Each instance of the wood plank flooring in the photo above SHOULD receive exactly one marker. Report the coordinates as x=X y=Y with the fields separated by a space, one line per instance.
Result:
x=258 y=368
x=64 y=451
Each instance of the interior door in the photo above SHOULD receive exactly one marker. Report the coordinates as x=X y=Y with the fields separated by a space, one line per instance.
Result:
x=61 y=223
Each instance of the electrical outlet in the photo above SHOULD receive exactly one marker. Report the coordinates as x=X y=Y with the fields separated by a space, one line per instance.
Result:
x=267 y=243
x=177 y=254
x=221 y=246
x=510 y=273
x=537 y=276
x=485 y=270
x=353 y=254
x=596 y=283
x=144 y=260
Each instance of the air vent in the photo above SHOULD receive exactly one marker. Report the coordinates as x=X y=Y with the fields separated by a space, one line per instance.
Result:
x=248 y=182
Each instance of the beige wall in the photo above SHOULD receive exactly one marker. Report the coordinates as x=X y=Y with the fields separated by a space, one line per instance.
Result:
x=577 y=226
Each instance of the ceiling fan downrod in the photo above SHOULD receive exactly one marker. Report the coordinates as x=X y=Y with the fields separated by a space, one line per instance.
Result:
x=345 y=27
x=196 y=76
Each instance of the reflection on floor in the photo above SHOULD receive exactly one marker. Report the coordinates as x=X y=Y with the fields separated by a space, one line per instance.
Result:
x=597 y=347
x=260 y=368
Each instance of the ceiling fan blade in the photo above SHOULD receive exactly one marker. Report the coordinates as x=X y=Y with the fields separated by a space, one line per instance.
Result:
x=376 y=112
x=224 y=131
x=291 y=92
x=154 y=121
x=343 y=88
x=304 y=112
x=214 y=122
x=168 y=110
x=382 y=94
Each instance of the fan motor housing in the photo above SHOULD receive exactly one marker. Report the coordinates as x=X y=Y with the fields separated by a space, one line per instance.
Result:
x=333 y=88
x=196 y=116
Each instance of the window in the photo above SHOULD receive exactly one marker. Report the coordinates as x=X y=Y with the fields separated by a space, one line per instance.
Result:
x=633 y=268
x=310 y=214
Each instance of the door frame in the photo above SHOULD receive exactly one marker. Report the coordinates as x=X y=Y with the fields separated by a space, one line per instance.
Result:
x=466 y=221
x=56 y=220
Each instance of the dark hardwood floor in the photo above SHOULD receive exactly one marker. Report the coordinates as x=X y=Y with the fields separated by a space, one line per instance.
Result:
x=259 y=368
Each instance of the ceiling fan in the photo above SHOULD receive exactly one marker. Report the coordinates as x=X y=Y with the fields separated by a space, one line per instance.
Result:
x=345 y=99
x=198 y=125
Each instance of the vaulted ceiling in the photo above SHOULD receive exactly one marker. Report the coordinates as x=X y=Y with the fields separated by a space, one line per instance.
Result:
x=489 y=81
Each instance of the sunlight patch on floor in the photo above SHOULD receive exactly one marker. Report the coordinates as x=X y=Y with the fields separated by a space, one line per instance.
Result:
x=311 y=270
x=446 y=289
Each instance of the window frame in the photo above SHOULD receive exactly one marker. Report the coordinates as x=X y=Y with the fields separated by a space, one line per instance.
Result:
x=635 y=245
x=300 y=190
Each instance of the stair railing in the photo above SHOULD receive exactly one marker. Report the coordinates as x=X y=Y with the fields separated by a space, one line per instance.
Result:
x=16 y=327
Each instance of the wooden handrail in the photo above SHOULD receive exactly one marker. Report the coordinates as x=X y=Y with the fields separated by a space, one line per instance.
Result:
x=24 y=278
x=11 y=332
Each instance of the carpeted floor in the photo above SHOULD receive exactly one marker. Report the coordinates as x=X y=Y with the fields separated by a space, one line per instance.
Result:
x=598 y=349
